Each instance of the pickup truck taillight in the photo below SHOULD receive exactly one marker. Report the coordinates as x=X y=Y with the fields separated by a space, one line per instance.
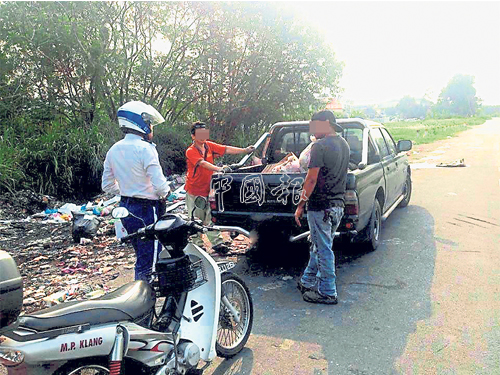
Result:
x=211 y=200
x=351 y=203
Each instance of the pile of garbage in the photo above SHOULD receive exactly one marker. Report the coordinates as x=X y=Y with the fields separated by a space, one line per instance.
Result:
x=69 y=251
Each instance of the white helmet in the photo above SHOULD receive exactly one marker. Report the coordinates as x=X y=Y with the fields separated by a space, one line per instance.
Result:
x=138 y=116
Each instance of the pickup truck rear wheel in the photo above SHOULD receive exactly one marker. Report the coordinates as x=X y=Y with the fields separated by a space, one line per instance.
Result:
x=370 y=236
x=406 y=192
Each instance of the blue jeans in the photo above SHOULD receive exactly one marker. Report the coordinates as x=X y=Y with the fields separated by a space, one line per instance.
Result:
x=321 y=266
x=146 y=251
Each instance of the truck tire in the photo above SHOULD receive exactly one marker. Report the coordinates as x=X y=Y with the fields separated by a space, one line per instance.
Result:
x=370 y=236
x=406 y=191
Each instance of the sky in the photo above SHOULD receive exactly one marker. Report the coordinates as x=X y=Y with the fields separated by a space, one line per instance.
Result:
x=398 y=48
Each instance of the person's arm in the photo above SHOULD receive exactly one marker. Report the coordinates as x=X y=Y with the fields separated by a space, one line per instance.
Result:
x=155 y=172
x=108 y=182
x=209 y=166
x=315 y=164
x=231 y=150
x=307 y=189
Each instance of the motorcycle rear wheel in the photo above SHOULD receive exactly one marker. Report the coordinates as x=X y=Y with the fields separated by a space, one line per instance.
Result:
x=232 y=336
x=95 y=367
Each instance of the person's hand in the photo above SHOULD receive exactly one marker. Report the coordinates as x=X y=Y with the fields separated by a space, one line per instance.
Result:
x=225 y=169
x=298 y=214
x=249 y=149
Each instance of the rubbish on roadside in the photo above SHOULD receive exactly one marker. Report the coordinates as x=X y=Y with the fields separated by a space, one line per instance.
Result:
x=286 y=278
x=120 y=230
x=38 y=231
x=458 y=163
x=85 y=241
x=84 y=225
x=111 y=201
x=68 y=208
x=55 y=298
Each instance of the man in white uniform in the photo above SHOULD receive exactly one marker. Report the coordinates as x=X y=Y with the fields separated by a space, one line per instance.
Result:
x=132 y=169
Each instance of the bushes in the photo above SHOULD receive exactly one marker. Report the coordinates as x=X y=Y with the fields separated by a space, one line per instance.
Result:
x=172 y=142
x=55 y=158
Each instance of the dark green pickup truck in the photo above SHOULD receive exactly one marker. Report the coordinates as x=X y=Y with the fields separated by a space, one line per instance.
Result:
x=378 y=181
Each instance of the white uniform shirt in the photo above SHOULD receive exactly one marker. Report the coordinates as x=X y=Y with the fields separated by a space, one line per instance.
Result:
x=132 y=169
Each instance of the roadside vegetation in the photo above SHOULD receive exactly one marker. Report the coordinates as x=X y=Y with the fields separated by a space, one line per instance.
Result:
x=66 y=67
x=431 y=130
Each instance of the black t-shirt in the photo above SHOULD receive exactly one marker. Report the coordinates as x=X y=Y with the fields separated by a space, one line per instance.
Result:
x=331 y=155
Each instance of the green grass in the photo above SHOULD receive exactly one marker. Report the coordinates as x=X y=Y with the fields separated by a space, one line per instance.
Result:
x=428 y=131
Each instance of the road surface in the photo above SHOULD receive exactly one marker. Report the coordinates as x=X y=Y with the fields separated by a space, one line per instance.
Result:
x=427 y=301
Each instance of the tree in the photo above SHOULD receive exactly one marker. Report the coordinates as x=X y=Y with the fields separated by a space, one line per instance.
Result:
x=458 y=98
x=66 y=67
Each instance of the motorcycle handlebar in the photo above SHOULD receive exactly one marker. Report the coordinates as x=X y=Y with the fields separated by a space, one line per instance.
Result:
x=130 y=237
x=198 y=227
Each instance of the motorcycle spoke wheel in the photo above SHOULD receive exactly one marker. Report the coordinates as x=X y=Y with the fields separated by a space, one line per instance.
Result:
x=233 y=335
x=90 y=370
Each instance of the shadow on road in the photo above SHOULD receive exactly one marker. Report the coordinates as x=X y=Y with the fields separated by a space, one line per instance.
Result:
x=382 y=296
x=242 y=363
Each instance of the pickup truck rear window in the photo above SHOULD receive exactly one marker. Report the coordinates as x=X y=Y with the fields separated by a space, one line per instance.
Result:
x=289 y=141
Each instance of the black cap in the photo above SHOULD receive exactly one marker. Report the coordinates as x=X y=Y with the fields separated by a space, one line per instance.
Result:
x=197 y=125
x=327 y=115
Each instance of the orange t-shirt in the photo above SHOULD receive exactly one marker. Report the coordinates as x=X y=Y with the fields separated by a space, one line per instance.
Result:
x=198 y=178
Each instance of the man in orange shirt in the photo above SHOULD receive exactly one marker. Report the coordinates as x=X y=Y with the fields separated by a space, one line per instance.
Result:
x=200 y=165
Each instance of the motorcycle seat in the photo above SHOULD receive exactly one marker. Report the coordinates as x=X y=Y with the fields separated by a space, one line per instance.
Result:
x=129 y=302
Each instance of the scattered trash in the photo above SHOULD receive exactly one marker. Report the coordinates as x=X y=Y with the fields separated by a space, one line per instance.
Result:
x=37 y=230
x=84 y=226
x=286 y=278
x=458 y=163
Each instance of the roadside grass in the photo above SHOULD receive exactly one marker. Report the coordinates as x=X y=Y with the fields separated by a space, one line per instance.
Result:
x=428 y=131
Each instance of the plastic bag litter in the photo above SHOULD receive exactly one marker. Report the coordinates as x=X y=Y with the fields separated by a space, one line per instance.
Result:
x=84 y=225
x=68 y=208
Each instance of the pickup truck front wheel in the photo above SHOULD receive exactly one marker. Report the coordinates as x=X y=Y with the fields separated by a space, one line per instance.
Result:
x=370 y=236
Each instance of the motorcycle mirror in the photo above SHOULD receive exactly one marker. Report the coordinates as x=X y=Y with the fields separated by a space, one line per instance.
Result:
x=200 y=203
x=119 y=212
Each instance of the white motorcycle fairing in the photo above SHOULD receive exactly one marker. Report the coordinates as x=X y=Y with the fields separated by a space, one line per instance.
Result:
x=202 y=307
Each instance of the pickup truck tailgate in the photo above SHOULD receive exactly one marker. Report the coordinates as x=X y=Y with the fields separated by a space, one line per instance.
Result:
x=255 y=196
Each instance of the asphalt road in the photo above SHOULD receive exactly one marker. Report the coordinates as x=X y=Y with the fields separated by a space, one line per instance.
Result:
x=427 y=301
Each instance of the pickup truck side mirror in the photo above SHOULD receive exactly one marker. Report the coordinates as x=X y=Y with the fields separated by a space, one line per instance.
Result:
x=404 y=145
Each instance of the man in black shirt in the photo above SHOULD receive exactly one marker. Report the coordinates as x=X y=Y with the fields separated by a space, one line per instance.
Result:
x=323 y=191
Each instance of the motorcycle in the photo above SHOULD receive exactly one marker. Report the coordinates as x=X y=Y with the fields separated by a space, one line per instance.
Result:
x=207 y=311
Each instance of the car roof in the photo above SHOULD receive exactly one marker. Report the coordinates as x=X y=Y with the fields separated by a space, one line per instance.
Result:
x=340 y=121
